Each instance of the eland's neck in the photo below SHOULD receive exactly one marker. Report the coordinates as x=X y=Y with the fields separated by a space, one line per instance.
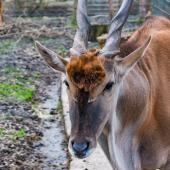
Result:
x=127 y=119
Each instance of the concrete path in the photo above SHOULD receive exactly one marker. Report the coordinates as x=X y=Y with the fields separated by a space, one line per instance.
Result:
x=97 y=161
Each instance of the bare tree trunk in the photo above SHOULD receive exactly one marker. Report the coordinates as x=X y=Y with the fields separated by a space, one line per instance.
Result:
x=113 y=7
x=74 y=12
x=1 y=13
x=144 y=7
x=75 y=5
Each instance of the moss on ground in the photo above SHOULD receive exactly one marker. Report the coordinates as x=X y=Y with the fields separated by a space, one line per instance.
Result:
x=21 y=133
x=6 y=45
x=61 y=50
x=16 y=91
x=15 y=134
x=59 y=107
x=2 y=132
x=17 y=86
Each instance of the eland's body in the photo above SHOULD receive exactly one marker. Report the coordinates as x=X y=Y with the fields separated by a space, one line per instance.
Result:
x=140 y=127
x=119 y=95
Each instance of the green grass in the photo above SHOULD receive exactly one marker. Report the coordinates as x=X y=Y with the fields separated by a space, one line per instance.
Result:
x=16 y=91
x=5 y=117
x=19 y=133
x=2 y=132
x=59 y=108
x=37 y=75
x=17 y=86
x=73 y=22
x=11 y=70
x=61 y=50
x=136 y=20
x=6 y=45
x=45 y=40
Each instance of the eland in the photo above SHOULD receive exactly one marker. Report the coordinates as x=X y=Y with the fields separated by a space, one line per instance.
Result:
x=119 y=95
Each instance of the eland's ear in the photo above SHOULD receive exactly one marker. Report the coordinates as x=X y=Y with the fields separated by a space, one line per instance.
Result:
x=127 y=63
x=53 y=60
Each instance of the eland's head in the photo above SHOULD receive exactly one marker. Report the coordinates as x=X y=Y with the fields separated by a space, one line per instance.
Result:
x=93 y=78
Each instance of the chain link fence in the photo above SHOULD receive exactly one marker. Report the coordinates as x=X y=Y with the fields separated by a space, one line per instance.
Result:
x=161 y=7
x=35 y=7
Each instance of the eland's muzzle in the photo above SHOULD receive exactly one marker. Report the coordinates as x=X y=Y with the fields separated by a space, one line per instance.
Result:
x=80 y=149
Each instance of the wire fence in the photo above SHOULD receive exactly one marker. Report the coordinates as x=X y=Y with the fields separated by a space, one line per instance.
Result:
x=161 y=7
x=140 y=7
x=100 y=11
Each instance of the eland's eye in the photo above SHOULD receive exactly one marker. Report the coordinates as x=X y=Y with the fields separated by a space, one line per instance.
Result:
x=66 y=83
x=109 y=85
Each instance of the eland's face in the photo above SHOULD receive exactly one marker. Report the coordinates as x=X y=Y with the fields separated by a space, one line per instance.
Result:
x=90 y=91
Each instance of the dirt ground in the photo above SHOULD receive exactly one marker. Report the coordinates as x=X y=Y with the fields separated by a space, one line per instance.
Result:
x=32 y=134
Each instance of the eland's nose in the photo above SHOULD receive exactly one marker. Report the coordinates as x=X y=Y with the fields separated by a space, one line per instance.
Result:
x=80 y=147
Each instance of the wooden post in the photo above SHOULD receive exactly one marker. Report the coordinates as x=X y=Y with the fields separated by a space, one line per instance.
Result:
x=144 y=7
x=74 y=12
x=113 y=7
x=1 y=13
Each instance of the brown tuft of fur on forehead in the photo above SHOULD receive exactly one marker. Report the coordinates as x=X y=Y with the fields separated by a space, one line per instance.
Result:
x=86 y=71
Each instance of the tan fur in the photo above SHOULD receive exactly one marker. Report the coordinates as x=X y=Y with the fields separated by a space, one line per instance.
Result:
x=153 y=135
x=143 y=106
x=132 y=116
x=1 y=13
x=87 y=71
x=150 y=26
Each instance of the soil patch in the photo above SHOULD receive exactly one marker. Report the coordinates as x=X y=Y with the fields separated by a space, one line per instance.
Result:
x=28 y=140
